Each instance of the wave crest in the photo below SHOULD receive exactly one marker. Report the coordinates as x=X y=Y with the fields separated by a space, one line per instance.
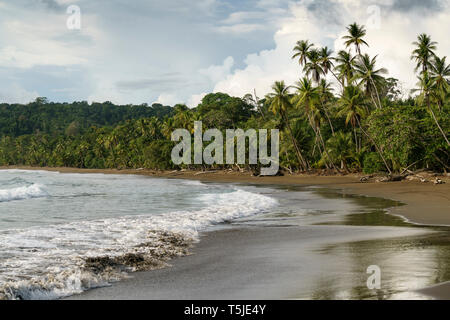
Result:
x=23 y=193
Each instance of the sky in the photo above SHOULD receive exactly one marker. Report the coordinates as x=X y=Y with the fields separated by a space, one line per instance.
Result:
x=176 y=51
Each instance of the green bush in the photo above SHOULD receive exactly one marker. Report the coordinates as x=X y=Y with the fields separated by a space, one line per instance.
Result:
x=373 y=163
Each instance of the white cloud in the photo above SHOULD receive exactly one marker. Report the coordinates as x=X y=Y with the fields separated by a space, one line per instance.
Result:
x=168 y=99
x=241 y=28
x=217 y=73
x=264 y=68
x=392 y=42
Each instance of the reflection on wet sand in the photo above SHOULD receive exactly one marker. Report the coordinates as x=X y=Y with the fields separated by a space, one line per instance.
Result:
x=407 y=264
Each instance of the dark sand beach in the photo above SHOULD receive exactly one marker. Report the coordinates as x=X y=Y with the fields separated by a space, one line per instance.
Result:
x=307 y=262
x=258 y=263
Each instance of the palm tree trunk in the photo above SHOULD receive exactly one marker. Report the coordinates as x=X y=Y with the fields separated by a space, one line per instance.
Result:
x=337 y=78
x=435 y=120
x=376 y=91
x=257 y=104
x=326 y=151
x=328 y=117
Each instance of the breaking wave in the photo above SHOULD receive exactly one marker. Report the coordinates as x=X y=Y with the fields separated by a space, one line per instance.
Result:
x=22 y=193
x=56 y=261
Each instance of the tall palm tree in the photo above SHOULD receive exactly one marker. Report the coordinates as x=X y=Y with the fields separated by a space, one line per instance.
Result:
x=345 y=66
x=370 y=77
x=424 y=52
x=352 y=103
x=313 y=67
x=280 y=103
x=301 y=51
x=355 y=36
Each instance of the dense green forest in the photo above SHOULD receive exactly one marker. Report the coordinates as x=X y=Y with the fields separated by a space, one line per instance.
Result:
x=42 y=116
x=358 y=122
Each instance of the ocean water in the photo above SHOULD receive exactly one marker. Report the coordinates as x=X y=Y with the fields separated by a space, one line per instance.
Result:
x=61 y=234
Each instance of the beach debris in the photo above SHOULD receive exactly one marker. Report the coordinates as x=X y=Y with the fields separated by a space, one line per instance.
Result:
x=366 y=178
x=438 y=181
x=204 y=172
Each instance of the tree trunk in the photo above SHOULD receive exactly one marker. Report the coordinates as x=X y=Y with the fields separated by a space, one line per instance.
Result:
x=435 y=120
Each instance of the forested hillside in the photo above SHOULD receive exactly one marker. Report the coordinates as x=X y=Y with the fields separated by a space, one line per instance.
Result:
x=46 y=117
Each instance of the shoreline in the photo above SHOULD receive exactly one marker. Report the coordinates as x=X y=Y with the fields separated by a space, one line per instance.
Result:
x=425 y=204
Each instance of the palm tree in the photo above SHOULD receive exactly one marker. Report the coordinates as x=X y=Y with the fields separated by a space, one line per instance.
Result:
x=168 y=127
x=326 y=62
x=301 y=51
x=308 y=98
x=426 y=89
x=314 y=65
x=440 y=73
x=280 y=103
x=326 y=95
x=340 y=148
x=345 y=66
x=307 y=95
x=353 y=107
x=424 y=52
x=355 y=37
x=370 y=77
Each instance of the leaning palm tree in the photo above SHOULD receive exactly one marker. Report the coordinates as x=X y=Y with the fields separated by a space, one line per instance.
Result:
x=424 y=52
x=280 y=103
x=301 y=51
x=308 y=99
x=313 y=67
x=370 y=77
x=427 y=91
x=345 y=66
x=352 y=104
x=355 y=36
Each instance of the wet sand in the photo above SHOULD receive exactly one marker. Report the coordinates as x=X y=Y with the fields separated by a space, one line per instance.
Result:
x=268 y=263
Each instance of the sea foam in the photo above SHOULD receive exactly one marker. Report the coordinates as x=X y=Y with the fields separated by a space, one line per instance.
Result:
x=22 y=193
x=60 y=260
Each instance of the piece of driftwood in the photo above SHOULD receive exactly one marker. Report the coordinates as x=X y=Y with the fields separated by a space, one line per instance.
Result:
x=204 y=172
